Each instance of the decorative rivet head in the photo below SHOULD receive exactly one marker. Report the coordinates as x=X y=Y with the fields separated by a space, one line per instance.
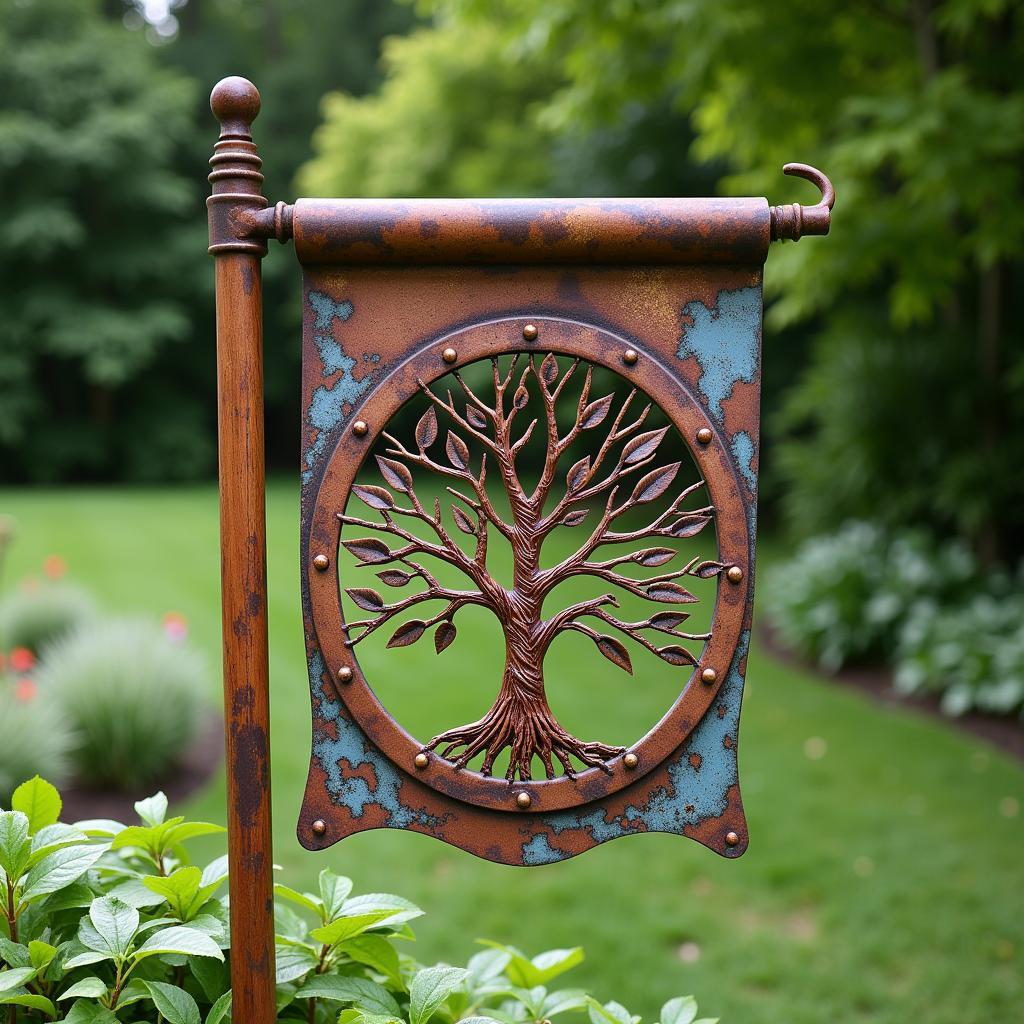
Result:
x=530 y=332
x=319 y=826
x=421 y=760
x=449 y=355
x=345 y=674
x=523 y=801
x=709 y=676
x=321 y=562
x=731 y=839
x=631 y=760
x=734 y=574
x=630 y=356
x=359 y=428
x=704 y=435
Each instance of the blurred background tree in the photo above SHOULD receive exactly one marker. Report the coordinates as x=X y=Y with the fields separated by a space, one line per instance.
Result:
x=895 y=385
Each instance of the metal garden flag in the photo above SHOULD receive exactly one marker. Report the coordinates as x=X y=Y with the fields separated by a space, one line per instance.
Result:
x=541 y=413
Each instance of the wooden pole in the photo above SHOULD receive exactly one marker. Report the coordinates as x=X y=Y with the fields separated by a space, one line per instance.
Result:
x=236 y=181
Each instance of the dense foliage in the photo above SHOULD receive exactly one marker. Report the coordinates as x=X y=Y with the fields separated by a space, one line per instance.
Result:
x=867 y=595
x=108 y=922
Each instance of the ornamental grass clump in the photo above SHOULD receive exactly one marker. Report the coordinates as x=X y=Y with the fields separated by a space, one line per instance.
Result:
x=109 y=922
x=134 y=696
x=34 y=736
x=36 y=616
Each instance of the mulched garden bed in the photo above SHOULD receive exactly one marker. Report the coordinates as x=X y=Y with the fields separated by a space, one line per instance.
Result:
x=1003 y=732
x=192 y=771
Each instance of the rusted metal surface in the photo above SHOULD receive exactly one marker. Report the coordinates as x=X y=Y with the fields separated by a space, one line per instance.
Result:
x=794 y=221
x=236 y=182
x=371 y=333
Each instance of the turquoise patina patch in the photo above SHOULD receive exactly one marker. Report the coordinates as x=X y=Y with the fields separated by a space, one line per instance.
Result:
x=743 y=452
x=352 y=746
x=327 y=406
x=725 y=341
x=696 y=792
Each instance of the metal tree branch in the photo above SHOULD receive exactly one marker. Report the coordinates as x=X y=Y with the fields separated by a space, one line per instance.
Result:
x=520 y=720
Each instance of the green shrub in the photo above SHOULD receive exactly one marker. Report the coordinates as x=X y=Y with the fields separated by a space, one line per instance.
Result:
x=972 y=653
x=134 y=697
x=844 y=596
x=40 y=615
x=106 y=917
x=34 y=736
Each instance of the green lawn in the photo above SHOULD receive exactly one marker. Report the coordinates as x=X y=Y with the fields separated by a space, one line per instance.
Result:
x=886 y=870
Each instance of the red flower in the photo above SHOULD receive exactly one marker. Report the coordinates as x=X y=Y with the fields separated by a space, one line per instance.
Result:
x=22 y=659
x=175 y=627
x=54 y=566
x=25 y=690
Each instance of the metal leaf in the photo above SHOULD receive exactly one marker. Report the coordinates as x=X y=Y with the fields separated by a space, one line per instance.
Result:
x=549 y=368
x=426 y=429
x=475 y=418
x=521 y=397
x=368 y=549
x=444 y=635
x=668 y=620
x=675 y=655
x=577 y=475
x=642 y=446
x=394 y=577
x=575 y=517
x=408 y=633
x=462 y=521
x=594 y=414
x=395 y=474
x=670 y=593
x=654 y=556
x=654 y=484
x=456 y=450
x=375 y=497
x=707 y=570
x=368 y=600
x=690 y=526
x=615 y=652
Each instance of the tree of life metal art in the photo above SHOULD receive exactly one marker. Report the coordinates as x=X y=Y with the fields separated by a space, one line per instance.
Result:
x=628 y=466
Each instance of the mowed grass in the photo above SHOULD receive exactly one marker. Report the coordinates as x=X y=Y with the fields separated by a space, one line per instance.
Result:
x=885 y=877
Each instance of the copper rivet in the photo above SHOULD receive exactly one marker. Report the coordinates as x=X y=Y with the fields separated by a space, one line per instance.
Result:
x=523 y=800
x=321 y=562
x=421 y=761
x=731 y=839
x=345 y=674
x=629 y=357
x=319 y=826
x=630 y=760
x=359 y=428
x=449 y=355
x=709 y=676
x=704 y=435
x=734 y=573
x=530 y=332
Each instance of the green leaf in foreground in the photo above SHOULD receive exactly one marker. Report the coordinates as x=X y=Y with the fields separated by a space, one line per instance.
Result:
x=15 y=846
x=430 y=988
x=681 y=1010
x=87 y=988
x=38 y=801
x=189 y=941
x=220 y=1009
x=341 y=989
x=60 y=868
x=174 y=1004
x=29 y=1000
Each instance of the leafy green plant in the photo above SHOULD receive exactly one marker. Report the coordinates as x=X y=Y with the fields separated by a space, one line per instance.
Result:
x=134 y=698
x=972 y=653
x=34 y=737
x=844 y=596
x=33 y=617
x=103 y=922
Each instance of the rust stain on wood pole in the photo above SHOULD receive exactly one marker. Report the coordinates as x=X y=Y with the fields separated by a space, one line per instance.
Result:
x=236 y=181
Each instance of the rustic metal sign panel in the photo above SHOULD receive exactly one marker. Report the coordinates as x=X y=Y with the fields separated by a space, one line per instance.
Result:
x=620 y=347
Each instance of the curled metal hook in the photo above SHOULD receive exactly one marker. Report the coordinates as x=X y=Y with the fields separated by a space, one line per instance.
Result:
x=794 y=221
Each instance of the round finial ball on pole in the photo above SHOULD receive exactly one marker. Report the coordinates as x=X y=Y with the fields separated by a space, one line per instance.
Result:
x=235 y=103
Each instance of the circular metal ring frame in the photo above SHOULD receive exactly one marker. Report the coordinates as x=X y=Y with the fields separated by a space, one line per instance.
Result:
x=483 y=341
